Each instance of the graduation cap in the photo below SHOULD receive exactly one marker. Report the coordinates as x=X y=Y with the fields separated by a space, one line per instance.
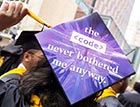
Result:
x=28 y=40
x=83 y=62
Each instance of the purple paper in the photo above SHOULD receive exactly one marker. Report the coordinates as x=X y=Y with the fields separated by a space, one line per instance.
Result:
x=84 y=56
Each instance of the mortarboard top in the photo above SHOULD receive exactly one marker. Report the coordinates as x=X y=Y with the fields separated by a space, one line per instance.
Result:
x=82 y=75
x=28 y=40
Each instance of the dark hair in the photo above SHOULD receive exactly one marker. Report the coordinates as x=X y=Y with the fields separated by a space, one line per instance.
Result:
x=42 y=82
x=137 y=87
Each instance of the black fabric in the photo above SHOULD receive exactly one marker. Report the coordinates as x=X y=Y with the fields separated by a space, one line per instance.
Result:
x=110 y=101
x=11 y=49
x=11 y=54
x=2 y=91
x=10 y=76
x=130 y=99
x=137 y=87
x=28 y=40
x=9 y=94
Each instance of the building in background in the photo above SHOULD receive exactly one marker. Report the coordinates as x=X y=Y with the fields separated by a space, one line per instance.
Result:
x=119 y=10
x=56 y=11
x=52 y=11
x=115 y=13
x=133 y=32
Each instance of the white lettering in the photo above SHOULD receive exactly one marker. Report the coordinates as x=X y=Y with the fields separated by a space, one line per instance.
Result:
x=88 y=42
x=60 y=50
x=91 y=31
x=96 y=62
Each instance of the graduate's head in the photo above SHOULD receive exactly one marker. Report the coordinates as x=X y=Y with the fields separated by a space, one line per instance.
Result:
x=32 y=58
x=120 y=86
x=32 y=53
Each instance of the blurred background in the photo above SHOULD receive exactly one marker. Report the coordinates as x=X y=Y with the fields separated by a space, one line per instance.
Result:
x=120 y=16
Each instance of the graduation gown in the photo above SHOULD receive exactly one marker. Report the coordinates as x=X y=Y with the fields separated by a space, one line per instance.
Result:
x=9 y=93
x=10 y=96
x=130 y=99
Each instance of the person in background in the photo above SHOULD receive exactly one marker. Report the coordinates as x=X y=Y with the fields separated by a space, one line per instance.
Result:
x=109 y=98
x=11 y=13
x=32 y=58
x=31 y=55
x=131 y=98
